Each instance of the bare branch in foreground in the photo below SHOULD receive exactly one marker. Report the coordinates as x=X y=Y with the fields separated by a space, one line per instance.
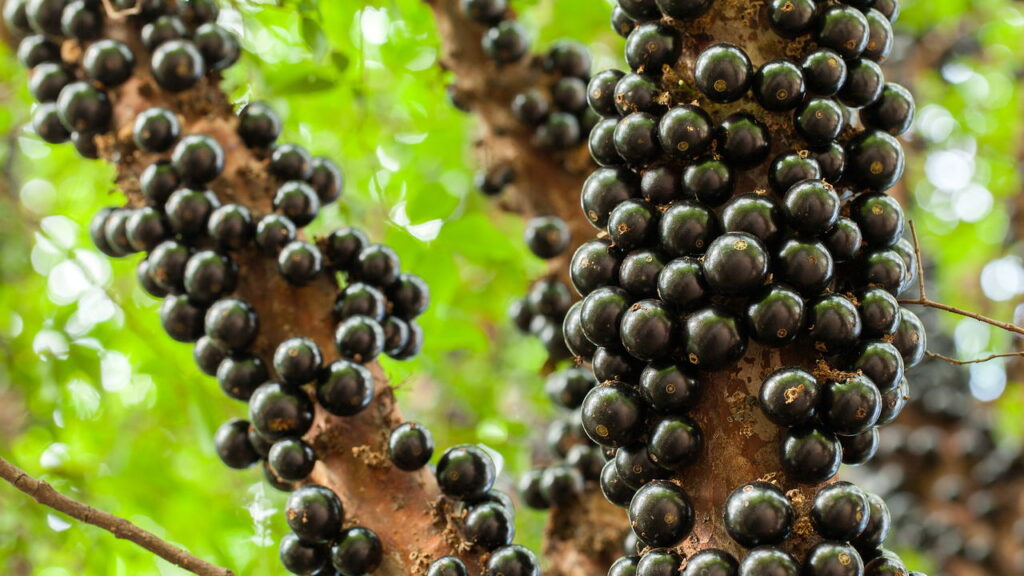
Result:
x=46 y=495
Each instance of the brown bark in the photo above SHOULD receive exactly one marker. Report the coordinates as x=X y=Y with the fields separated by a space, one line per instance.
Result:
x=402 y=508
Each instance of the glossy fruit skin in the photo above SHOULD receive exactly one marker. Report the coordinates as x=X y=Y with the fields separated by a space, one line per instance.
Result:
x=743 y=140
x=208 y=355
x=640 y=10
x=835 y=322
x=209 y=275
x=84 y=108
x=612 y=414
x=824 y=72
x=779 y=85
x=864 y=83
x=879 y=217
x=833 y=559
x=675 y=442
x=711 y=562
x=639 y=273
x=278 y=411
x=298 y=201
x=736 y=263
x=299 y=262
x=667 y=389
x=258 y=125
x=840 y=511
x=219 y=47
x=894 y=401
x=882 y=363
x=683 y=9
x=188 y=212
x=343 y=247
x=410 y=446
x=879 y=522
x=786 y=170
x=632 y=224
x=167 y=266
x=572 y=331
x=231 y=226
x=604 y=189
x=561 y=484
x=622 y=23
x=513 y=560
x=291 y=459
x=291 y=162
x=239 y=375
x=880 y=36
x=875 y=160
x=612 y=364
x=447 y=566
x=758 y=514
x=861 y=448
x=651 y=46
x=198 y=159
x=357 y=551
x=686 y=229
x=681 y=284
x=601 y=314
x=892 y=112
x=465 y=472
x=661 y=185
x=181 y=319
x=769 y=561
x=44 y=16
x=297 y=361
x=377 y=264
x=810 y=456
x=161 y=30
x=560 y=131
x=156 y=130
x=776 y=317
x=845 y=30
x=832 y=161
x=484 y=11
x=792 y=18
x=723 y=72
x=547 y=236
x=232 y=444
x=345 y=388
x=489 y=525
x=158 y=181
x=300 y=558
x=177 y=65
x=273 y=233
x=232 y=324
x=885 y=269
x=36 y=49
x=636 y=93
x=819 y=121
x=506 y=42
x=789 y=397
x=911 y=339
x=851 y=406
x=661 y=514
x=614 y=488
x=47 y=80
x=108 y=62
x=601 y=143
x=711 y=182
x=884 y=566
x=647 y=329
x=714 y=339
x=685 y=131
x=636 y=138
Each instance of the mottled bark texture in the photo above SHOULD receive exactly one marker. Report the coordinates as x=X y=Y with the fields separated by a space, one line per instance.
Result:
x=404 y=509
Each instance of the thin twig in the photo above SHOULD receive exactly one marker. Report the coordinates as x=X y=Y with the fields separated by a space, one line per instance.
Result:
x=45 y=494
x=977 y=361
x=924 y=300
x=115 y=14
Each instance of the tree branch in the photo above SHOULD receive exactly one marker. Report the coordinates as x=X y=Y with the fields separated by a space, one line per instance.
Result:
x=956 y=362
x=46 y=495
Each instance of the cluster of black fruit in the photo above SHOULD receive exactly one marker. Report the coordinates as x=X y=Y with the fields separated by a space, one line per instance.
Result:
x=556 y=109
x=542 y=311
x=722 y=231
x=913 y=468
x=183 y=44
x=190 y=238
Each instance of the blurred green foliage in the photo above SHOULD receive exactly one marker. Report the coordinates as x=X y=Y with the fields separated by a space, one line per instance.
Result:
x=95 y=399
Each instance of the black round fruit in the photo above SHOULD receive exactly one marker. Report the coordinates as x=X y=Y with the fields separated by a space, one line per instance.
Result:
x=881 y=362
x=239 y=375
x=636 y=138
x=755 y=214
x=547 y=236
x=513 y=560
x=776 y=317
x=875 y=160
x=177 y=65
x=489 y=525
x=711 y=182
x=661 y=514
x=47 y=123
x=769 y=561
x=667 y=389
x=833 y=559
x=109 y=62
x=219 y=47
x=758 y=514
x=188 y=212
x=298 y=201
x=879 y=522
x=81 y=21
x=652 y=46
x=792 y=18
x=824 y=71
x=198 y=159
x=297 y=361
x=684 y=132
x=612 y=414
x=632 y=224
x=880 y=36
x=844 y=240
x=301 y=558
x=258 y=125
x=743 y=141
x=636 y=93
x=506 y=42
x=35 y=49
x=683 y=9
x=811 y=207
x=47 y=80
x=181 y=319
x=819 y=121
x=209 y=275
x=156 y=130
x=273 y=233
x=736 y=263
x=291 y=459
x=834 y=322
x=484 y=11
x=231 y=226
x=447 y=566
x=789 y=397
x=299 y=262
x=163 y=29
x=840 y=511
x=158 y=181
x=600 y=94
x=84 y=108
x=711 y=562
x=232 y=324
x=850 y=406
x=864 y=83
x=345 y=388
x=647 y=330
x=843 y=29
x=723 y=72
x=675 y=442
x=410 y=446
x=278 y=411
x=892 y=112
x=810 y=456
x=314 y=513
x=357 y=551
x=779 y=84
x=232 y=444
x=208 y=355
x=714 y=339
x=861 y=448
x=465 y=472
x=681 y=283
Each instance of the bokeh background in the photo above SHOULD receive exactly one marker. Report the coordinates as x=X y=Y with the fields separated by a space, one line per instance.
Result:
x=95 y=399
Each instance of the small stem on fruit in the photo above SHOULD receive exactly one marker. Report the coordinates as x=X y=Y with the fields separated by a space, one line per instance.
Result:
x=46 y=495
